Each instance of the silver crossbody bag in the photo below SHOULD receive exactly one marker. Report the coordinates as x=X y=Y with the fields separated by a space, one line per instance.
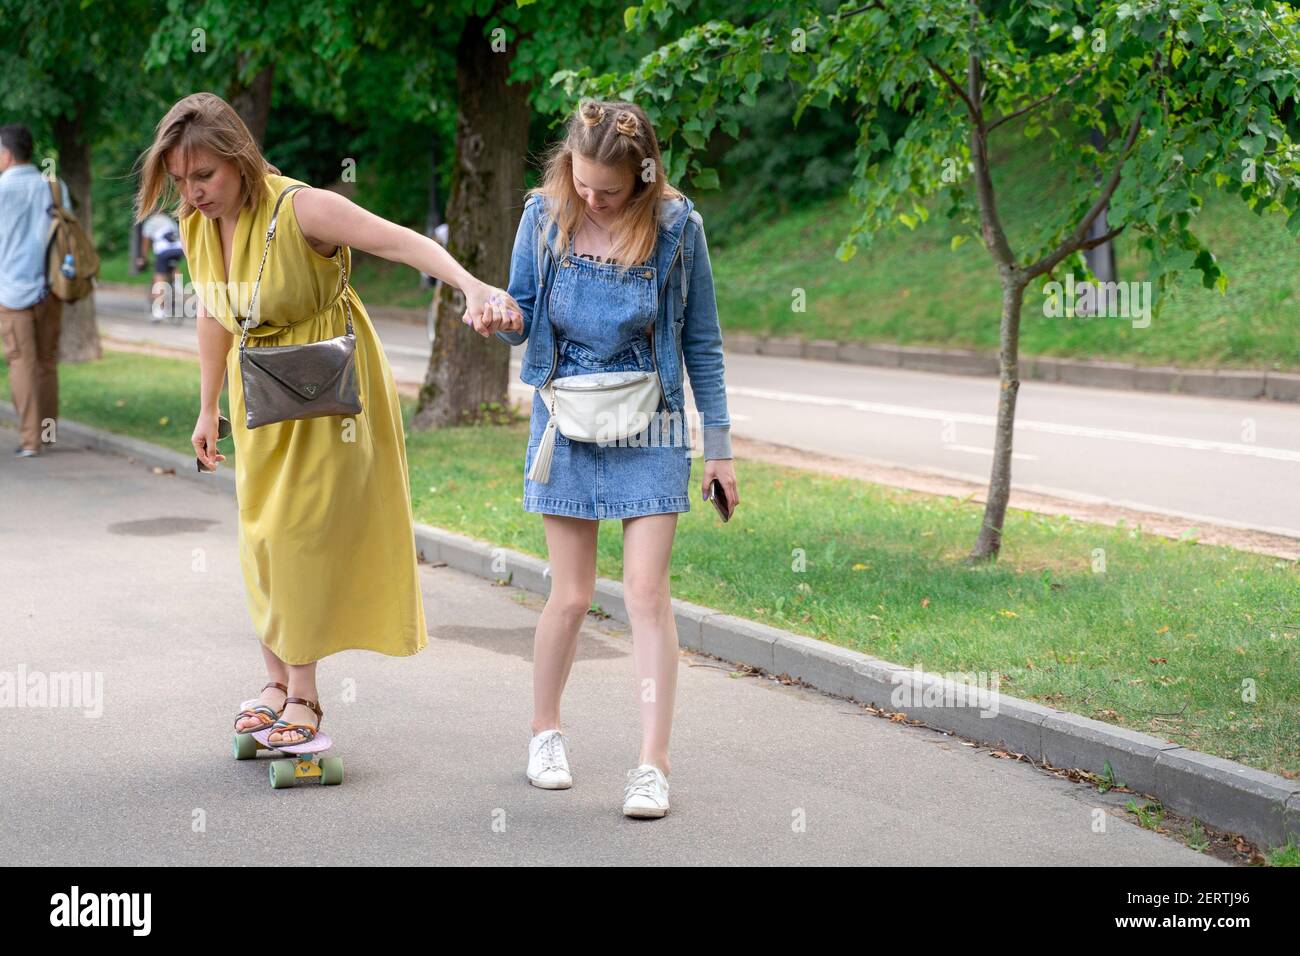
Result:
x=283 y=382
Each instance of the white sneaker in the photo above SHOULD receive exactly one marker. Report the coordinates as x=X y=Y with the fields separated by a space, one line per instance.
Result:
x=548 y=761
x=646 y=794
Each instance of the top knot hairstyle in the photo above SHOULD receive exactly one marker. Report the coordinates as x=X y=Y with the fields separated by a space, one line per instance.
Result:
x=626 y=122
x=620 y=135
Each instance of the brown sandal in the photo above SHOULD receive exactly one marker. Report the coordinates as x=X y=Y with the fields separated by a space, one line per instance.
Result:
x=308 y=731
x=263 y=712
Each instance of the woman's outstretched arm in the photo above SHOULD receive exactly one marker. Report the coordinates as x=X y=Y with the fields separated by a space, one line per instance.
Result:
x=336 y=220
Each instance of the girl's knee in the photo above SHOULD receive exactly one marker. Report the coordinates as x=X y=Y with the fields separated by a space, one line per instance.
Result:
x=572 y=604
x=645 y=598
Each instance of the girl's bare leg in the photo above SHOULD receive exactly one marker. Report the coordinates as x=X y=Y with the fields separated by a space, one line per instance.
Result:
x=571 y=546
x=647 y=549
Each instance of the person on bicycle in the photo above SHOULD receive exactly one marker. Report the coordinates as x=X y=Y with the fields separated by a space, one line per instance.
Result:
x=162 y=235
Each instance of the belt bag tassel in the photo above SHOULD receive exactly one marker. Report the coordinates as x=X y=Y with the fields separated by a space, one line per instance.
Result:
x=603 y=407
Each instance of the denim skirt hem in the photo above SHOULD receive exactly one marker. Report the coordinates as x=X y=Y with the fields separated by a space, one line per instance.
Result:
x=620 y=509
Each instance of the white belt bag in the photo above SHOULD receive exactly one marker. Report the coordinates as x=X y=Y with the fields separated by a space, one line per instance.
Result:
x=603 y=407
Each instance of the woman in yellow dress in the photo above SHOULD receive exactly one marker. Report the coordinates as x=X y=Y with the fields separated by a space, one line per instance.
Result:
x=326 y=543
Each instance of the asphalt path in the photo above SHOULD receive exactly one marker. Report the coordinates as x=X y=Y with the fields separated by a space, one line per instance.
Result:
x=129 y=581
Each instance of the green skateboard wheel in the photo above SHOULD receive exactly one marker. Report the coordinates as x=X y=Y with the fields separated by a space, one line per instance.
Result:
x=281 y=774
x=245 y=747
x=331 y=771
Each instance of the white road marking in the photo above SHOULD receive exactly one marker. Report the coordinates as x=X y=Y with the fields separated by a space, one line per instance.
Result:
x=409 y=350
x=1023 y=456
x=1022 y=424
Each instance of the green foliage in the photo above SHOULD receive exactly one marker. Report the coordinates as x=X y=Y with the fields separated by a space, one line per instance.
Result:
x=311 y=44
x=1207 y=87
x=774 y=167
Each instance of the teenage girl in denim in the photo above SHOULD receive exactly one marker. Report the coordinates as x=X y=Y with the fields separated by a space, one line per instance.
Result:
x=605 y=247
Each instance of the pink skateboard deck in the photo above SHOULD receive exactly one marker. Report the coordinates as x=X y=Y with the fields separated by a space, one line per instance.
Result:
x=303 y=760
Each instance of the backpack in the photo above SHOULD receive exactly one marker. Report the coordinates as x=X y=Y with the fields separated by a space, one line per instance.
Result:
x=68 y=249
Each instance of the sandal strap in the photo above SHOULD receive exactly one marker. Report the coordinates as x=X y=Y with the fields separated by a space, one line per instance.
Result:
x=307 y=730
x=259 y=711
x=263 y=713
x=314 y=705
x=277 y=686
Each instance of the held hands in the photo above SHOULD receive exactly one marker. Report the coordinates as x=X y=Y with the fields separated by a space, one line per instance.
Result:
x=490 y=310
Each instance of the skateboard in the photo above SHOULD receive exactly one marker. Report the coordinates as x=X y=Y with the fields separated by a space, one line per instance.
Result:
x=306 y=761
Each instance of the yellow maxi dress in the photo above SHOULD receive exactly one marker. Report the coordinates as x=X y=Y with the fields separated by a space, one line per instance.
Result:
x=326 y=541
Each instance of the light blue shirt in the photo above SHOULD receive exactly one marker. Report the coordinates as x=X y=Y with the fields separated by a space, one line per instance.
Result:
x=24 y=230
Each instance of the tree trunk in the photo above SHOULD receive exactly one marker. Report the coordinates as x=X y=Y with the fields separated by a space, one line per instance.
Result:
x=253 y=101
x=433 y=216
x=468 y=374
x=989 y=541
x=1101 y=259
x=78 y=335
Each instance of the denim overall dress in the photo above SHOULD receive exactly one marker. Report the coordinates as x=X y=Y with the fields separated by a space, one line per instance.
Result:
x=600 y=313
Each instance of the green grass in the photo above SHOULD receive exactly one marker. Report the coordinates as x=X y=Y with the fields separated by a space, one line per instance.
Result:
x=1288 y=855
x=911 y=288
x=1163 y=641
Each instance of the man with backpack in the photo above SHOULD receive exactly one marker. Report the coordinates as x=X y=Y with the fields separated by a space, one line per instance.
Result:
x=30 y=313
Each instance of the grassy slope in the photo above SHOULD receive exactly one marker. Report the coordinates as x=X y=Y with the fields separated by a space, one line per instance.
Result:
x=910 y=288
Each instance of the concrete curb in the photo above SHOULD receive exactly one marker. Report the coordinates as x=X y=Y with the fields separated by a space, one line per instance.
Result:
x=1215 y=383
x=1263 y=807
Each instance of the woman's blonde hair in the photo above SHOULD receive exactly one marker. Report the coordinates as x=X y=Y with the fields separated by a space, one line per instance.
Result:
x=620 y=135
x=200 y=121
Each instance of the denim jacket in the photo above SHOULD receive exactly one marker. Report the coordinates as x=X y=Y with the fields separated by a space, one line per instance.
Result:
x=693 y=336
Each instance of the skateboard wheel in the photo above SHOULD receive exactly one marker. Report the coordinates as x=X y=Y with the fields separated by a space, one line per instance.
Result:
x=245 y=747
x=281 y=774
x=331 y=771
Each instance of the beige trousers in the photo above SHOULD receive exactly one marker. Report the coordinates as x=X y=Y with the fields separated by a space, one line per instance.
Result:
x=31 y=344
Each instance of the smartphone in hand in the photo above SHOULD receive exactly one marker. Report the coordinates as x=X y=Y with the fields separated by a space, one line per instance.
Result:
x=719 y=499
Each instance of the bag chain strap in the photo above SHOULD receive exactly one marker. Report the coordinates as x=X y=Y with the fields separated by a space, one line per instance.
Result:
x=270 y=232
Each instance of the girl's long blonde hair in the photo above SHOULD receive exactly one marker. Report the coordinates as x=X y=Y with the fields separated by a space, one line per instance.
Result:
x=617 y=134
x=200 y=121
